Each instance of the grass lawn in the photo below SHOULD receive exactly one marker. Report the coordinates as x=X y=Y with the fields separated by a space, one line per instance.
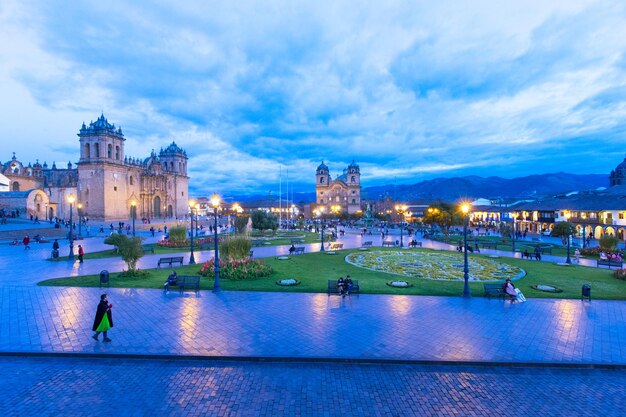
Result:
x=314 y=269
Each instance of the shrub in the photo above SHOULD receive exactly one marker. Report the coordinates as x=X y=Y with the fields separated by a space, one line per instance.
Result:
x=185 y=243
x=237 y=270
x=608 y=243
x=235 y=247
x=620 y=274
x=178 y=234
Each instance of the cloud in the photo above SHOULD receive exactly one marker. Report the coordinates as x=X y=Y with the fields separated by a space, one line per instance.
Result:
x=409 y=90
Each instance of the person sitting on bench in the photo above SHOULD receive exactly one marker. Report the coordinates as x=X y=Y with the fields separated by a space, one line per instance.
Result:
x=292 y=249
x=340 y=285
x=172 y=279
x=526 y=254
x=509 y=289
x=348 y=285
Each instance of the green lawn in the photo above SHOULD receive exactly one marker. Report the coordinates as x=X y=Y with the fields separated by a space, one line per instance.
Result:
x=314 y=269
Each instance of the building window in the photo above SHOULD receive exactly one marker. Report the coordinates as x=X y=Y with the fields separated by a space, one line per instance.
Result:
x=352 y=179
x=109 y=150
x=321 y=192
x=16 y=186
x=87 y=150
x=114 y=188
x=620 y=215
x=322 y=201
x=117 y=152
x=354 y=201
x=131 y=180
x=321 y=180
x=97 y=145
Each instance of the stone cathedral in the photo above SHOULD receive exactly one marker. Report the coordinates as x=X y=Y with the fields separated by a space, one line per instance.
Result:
x=105 y=182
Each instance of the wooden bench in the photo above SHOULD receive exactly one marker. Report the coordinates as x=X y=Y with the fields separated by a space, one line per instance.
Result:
x=299 y=250
x=332 y=286
x=389 y=243
x=610 y=263
x=492 y=290
x=335 y=246
x=147 y=248
x=170 y=261
x=367 y=244
x=184 y=282
x=415 y=244
x=490 y=245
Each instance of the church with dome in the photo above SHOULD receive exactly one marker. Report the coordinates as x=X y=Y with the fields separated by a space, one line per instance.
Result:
x=340 y=195
x=106 y=183
x=618 y=175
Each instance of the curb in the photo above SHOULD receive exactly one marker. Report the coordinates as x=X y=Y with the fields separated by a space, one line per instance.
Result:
x=281 y=359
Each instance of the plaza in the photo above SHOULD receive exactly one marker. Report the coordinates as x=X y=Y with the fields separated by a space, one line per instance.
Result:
x=259 y=353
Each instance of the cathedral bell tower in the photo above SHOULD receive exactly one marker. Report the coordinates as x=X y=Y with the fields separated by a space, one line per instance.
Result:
x=322 y=183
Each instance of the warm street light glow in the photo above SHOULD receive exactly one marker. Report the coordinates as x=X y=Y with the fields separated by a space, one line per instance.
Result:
x=71 y=199
x=132 y=203
x=215 y=200
x=192 y=204
x=79 y=205
x=465 y=207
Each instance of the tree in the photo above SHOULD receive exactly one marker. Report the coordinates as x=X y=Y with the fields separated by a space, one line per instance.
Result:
x=129 y=249
x=262 y=220
x=443 y=215
x=563 y=229
x=608 y=243
x=506 y=231
x=241 y=222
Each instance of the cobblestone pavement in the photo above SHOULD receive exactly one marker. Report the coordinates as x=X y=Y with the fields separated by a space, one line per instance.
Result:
x=79 y=387
x=302 y=325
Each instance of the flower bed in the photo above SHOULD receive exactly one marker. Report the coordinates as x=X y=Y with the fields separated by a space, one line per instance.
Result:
x=287 y=282
x=438 y=265
x=237 y=270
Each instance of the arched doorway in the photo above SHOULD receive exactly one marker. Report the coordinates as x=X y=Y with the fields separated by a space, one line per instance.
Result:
x=50 y=213
x=157 y=207
x=170 y=211
x=16 y=186
x=598 y=232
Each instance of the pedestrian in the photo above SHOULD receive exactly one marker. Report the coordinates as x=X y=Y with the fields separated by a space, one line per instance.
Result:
x=55 y=248
x=81 y=253
x=104 y=319
x=152 y=231
x=26 y=242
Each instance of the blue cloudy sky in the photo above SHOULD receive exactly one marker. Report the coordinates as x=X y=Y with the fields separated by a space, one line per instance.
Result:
x=411 y=90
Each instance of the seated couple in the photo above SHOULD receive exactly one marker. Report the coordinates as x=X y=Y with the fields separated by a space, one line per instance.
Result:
x=344 y=285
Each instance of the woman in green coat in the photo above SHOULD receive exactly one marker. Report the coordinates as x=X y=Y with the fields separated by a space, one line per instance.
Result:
x=104 y=319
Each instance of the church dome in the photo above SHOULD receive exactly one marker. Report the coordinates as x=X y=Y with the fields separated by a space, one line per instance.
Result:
x=172 y=150
x=322 y=168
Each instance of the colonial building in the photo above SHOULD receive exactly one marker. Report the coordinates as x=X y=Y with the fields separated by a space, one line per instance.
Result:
x=106 y=182
x=343 y=194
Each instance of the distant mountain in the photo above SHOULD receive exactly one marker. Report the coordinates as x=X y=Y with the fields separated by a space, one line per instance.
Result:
x=451 y=189
x=490 y=187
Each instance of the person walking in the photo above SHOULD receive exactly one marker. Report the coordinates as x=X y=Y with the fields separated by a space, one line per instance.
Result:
x=81 y=253
x=26 y=242
x=55 y=248
x=104 y=319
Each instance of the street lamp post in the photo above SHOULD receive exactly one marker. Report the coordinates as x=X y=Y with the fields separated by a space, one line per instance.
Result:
x=215 y=201
x=401 y=210
x=514 y=231
x=133 y=213
x=567 y=216
x=79 y=211
x=192 y=206
x=466 y=291
x=320 y=210
x=71 y=200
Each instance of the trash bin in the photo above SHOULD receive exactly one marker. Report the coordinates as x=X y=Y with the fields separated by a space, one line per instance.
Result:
x=586 y=292
x=104 y=278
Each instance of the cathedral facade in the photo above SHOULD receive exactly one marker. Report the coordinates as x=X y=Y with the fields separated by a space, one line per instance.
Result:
x=105 y=183
x=342 y=194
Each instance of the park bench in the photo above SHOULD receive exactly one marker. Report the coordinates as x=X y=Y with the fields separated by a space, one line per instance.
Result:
x=492 y=290
x=170 y=261
x=415 y=244
x=389 y=243
x=490 y=245
x=332 y=286
x=147 y=248
x=184 y=282
x=367 y=244
x=335 y=246
x=610 y=263
x=299 y=250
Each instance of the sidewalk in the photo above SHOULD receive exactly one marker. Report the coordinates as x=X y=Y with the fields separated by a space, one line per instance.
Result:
x=316 y=326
